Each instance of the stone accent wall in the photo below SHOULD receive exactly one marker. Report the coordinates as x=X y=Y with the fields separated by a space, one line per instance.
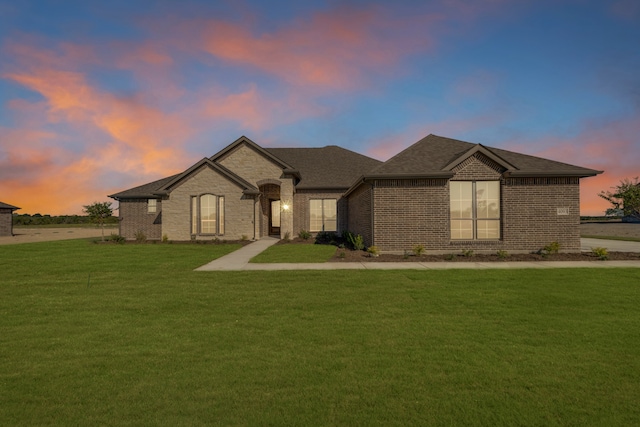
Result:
x=6 y=222
x=254 y=167
x=360 y=213
x=134 y=218
x=239 y=209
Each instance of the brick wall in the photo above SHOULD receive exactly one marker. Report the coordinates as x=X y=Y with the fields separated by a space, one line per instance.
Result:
x=134 y=218
x=411 y=212
x=530 y=212
x=534 y=212
x=6 y=222
x=301 y=218
x=360 y=213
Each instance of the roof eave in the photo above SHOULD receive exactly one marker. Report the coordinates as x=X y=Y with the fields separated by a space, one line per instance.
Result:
x=551 y=174
x=372 y=177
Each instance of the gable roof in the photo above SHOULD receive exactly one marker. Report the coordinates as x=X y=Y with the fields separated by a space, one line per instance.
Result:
x=243 y=140
x=246 y=186
x=436 y=155
x=329 y=167
x=145 y=191
x=8 y=206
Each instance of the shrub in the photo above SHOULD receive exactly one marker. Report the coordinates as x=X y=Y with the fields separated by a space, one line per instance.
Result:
x=244 y=238
x=373 y=251
x=406 y=254
x=326 y=238
x=342 y=254
x=140 y=236
x=418 y=250
x=502 y=254
x=550 y=249
x=449 y=257
x=304 y=235
x=287 y=236
x=356 y=242
x=467 y=253
x=116 y=238
x=165 y=238
x=601 y=253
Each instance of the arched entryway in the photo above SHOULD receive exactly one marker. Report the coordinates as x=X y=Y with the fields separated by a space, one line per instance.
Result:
x=270 y=209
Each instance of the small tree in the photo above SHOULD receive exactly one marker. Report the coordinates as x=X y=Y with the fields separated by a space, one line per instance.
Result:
x=98 y=213
x=625 y=198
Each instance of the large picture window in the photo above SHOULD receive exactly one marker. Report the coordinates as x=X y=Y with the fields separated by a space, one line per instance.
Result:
x=475 y=210
x=207 y=214
x=323 y=215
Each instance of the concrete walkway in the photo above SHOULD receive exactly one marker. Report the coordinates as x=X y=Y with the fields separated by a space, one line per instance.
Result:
x=239 y=260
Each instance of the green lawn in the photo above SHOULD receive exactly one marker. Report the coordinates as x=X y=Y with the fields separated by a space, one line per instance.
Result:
x=296 y=253
x=96 y=334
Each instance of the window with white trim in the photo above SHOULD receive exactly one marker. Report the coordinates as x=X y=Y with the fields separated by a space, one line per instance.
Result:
x=323 y=215
x=207 y=214
x=475 y=210
x=152 y=206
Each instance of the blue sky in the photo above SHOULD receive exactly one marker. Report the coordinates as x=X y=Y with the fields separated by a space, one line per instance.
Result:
x=97 y=97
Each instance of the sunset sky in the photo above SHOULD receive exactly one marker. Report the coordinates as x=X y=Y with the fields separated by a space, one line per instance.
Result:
x=101 y=96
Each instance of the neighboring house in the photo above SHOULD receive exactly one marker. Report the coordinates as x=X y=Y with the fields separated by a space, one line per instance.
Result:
x=444 y=194
x=6 y=219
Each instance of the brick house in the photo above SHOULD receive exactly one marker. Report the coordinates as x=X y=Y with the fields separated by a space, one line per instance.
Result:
x=442 y=193
x=6 y=219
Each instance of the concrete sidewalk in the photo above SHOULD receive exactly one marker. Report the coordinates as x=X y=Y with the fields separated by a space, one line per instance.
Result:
x=239 y=261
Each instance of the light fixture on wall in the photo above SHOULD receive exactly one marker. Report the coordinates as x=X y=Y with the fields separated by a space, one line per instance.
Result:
x=285 y=207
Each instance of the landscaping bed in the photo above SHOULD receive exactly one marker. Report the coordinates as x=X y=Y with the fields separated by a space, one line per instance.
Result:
x=347 y=255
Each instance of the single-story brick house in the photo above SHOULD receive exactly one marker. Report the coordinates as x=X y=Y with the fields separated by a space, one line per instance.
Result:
x=441 y=193
x=6 y=219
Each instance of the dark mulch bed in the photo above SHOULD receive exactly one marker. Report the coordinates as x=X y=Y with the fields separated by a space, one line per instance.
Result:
x=362 y=256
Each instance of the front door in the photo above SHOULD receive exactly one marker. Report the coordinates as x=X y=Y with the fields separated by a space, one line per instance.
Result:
x=274 y=218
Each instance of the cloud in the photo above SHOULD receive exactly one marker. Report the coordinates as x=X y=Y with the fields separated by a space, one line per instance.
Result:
x=336 y=49
x=610 y=146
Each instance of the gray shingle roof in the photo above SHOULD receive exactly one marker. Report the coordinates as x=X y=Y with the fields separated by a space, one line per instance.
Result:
x=433 y=154
x=326 y=167
x=145 y=191
x=8 y=206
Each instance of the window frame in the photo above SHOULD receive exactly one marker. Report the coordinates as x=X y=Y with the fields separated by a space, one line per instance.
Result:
x=152 y=206
x=323 y=215
x=474 y=219
x=196 y=220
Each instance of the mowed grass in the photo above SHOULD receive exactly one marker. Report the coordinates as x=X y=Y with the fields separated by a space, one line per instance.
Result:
x=297 y=253
x=145 y=340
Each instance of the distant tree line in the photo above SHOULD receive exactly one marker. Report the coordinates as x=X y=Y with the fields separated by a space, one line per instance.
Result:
x=38 y=219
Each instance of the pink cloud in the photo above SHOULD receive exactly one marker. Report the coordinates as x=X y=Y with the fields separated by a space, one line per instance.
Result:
x=334 y=49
